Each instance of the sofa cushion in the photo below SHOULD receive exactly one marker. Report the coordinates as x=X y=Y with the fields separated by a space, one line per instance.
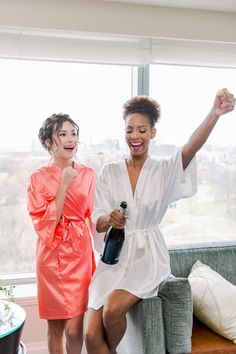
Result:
x=214 y=300
x=205 y=341
x=220 y=256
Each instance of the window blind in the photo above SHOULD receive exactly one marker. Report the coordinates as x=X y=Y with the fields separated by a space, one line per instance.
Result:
x=113 y=49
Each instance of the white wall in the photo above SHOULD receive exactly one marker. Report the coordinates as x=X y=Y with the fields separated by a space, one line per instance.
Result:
x=34 y=335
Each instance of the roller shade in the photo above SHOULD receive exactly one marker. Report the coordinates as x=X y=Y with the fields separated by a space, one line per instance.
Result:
x=105 y=48
x=200 y=53
x=74 y=46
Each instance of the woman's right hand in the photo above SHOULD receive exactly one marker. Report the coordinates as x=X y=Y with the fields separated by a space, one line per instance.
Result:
x=68 y=174
x=117 y=219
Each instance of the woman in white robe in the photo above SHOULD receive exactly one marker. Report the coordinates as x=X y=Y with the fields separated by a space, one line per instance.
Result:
x=148 y=186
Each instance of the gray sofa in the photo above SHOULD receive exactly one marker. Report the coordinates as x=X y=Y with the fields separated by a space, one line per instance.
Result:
x=163 y=324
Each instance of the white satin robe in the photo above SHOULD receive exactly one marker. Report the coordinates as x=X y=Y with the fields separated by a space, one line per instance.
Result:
x=144 y=259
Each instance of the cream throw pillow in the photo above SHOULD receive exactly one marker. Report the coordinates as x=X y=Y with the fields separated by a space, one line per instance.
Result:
x=214 y=300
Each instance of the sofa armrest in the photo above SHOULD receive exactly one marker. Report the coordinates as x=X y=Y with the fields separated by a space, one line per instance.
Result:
x=145 y=329
x=177 y=307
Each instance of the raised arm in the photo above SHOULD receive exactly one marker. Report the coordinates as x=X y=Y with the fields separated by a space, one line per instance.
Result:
x=224 y=102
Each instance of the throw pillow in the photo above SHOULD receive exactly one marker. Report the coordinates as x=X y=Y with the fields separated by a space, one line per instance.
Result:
x=214 y=300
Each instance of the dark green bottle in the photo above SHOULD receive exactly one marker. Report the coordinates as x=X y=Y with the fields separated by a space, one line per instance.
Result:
x=113 y=241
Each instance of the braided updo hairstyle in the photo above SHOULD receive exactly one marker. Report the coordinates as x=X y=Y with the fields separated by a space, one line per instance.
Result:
x=143 y=105
x=51 y=126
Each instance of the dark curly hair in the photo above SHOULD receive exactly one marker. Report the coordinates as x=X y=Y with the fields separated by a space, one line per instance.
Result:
x=52 y=125
x=143 y=105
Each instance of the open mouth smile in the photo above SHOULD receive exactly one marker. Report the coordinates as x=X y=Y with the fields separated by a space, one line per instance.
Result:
x=69 y=148
x=135 y=144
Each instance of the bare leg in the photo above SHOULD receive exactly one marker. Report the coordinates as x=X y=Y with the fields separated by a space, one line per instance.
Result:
x=74 y=335
x=94 y=333
x=55 y=336
x=114 y=316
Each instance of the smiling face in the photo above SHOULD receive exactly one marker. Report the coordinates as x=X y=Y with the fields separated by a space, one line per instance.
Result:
x=64 y=144
x=138 y=133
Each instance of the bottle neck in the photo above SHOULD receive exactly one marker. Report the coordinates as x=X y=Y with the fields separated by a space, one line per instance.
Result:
x=122 y=210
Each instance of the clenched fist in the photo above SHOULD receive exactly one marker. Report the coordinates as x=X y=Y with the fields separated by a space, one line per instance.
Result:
x=68 y=174
x=224 y=102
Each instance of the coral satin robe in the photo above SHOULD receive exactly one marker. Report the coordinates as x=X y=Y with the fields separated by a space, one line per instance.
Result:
x=64 y=255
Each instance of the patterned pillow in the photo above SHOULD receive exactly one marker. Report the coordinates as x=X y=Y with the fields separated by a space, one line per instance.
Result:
x=214 y=300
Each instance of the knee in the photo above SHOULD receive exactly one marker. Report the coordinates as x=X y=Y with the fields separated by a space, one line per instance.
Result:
x=73 y=334
x=111 y=315
x=92 y=338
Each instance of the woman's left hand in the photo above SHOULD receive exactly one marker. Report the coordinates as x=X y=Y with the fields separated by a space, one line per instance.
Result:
x=224 y=102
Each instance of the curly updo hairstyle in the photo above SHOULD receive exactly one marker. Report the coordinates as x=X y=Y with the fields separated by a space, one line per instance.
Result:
x=52 y=125
x=143 y=105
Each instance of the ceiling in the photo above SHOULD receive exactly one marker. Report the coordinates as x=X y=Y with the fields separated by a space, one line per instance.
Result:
x=213 y=5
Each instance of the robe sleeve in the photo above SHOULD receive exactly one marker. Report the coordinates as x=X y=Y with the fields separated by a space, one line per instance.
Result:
x=42 y=210
x=90 y=197
x=102 y=200
x=102 y=204
x=179 y=183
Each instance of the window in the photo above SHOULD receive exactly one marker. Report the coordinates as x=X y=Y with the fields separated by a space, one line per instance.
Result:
x=93 y=94
x=31 y=91
x=186 y=94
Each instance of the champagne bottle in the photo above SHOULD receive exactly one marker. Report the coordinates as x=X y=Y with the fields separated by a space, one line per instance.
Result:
x=113 y=241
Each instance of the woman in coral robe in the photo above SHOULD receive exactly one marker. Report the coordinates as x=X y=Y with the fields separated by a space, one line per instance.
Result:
x=148 y=186
x=60 y=203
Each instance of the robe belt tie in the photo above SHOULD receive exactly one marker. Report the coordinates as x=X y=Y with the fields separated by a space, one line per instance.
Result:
x=141 y=235
x=75 y=230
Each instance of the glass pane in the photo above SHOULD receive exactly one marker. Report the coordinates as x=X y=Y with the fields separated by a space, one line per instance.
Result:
x=186 y=95
x=31 y=91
